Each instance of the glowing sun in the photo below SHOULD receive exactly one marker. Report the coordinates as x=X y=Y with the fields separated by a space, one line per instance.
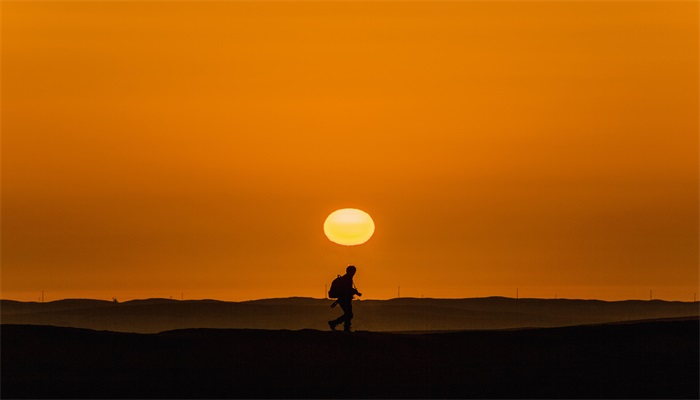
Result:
x=349 y=227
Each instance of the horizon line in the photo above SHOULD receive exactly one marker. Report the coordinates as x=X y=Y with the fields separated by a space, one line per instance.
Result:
x=182 y=300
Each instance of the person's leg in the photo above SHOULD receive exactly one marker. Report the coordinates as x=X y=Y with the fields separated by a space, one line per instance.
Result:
x=347 y=316
x=336 y=321
x=340 y=319
x=346 y=306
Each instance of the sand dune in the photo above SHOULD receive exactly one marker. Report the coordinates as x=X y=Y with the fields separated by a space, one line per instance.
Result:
x=656 y=359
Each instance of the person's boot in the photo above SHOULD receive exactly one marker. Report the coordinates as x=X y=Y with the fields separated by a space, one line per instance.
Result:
x=332 y=325
x=347 y=328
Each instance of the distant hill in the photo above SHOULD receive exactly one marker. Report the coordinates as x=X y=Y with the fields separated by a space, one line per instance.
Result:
x=404 y=314
x=656 y=360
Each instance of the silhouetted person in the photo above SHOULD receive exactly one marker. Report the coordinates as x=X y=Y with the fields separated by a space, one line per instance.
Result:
x=344 y=289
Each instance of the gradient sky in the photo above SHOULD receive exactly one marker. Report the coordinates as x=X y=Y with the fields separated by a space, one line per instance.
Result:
x=157 y=149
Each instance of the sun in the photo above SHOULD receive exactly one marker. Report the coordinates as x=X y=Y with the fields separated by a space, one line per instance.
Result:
x=348 y=227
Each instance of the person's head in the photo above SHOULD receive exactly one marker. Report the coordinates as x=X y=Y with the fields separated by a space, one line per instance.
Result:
x=350 y=270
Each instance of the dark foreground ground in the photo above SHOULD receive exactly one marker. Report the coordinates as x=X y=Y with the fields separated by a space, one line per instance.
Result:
x=656 y=359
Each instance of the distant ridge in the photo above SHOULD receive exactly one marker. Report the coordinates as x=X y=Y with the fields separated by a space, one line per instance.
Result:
x=402 y=314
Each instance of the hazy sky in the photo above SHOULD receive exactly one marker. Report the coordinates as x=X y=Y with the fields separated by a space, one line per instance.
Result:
x=156 y=149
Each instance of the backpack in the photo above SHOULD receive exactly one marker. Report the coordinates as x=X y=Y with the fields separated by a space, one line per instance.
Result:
x=336 y=289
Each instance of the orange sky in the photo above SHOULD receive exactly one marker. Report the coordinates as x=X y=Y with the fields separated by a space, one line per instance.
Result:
x=157 y=149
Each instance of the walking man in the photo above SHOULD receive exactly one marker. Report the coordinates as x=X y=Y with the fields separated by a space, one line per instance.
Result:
x=343 y=289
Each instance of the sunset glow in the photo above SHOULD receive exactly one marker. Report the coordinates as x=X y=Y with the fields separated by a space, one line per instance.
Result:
x=193 y=149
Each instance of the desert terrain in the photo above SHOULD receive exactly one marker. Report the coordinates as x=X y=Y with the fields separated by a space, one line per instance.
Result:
x=403 y=314
x=402 y=348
